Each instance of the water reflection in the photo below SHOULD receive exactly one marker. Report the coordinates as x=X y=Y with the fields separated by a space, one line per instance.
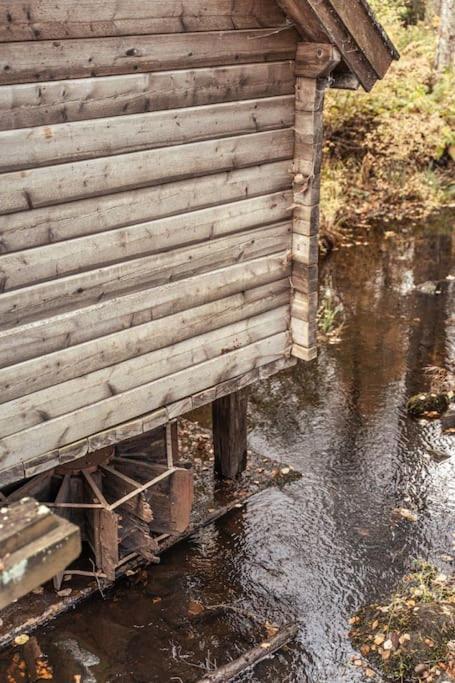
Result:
x=319 y=548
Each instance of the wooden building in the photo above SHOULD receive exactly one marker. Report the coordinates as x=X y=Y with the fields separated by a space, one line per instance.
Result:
x=159 y=200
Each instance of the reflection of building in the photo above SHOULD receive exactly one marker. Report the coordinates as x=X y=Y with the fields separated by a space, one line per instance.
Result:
x=158 y=223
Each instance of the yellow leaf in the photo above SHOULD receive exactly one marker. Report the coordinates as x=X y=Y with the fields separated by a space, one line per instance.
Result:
x=379 y=639
x=22 y=639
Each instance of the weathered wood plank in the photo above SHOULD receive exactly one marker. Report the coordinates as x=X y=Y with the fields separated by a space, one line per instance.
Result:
x=69 y=142
x=87 y=288
x=67 y=396
x=90 y=216
x=156 y=418
x=35 y=265
x=51 y=20
x=53 y=102
x=85 y=421
x=25 y=190
x=41 y=337
x=35 y=374
x=56 y=60
x=38 y=551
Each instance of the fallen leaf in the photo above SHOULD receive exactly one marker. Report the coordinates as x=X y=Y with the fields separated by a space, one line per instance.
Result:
x=195 y=608
x=65 y=592
x=22 y=639
x=285 y=470
x=156 y=600
x=271 y=629
x=406 y=514
x=388 y=645
x=379 y=639
x=369 y=673
x=365 y=649
x=265 y=645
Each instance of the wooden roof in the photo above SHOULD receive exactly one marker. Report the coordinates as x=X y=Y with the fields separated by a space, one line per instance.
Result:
x=351 y=26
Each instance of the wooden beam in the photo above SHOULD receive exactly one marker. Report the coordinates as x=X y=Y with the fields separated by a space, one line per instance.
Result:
x=314 y=64
x=229 y=418
x=34 y=545
x=316 y=60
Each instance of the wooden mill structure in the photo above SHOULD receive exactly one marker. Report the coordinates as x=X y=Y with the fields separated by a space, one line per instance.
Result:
x=159 y=199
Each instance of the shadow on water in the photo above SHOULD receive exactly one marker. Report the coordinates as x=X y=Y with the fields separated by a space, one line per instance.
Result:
x=318 y=549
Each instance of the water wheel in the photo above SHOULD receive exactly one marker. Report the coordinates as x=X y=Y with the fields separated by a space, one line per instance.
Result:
x=125 y=499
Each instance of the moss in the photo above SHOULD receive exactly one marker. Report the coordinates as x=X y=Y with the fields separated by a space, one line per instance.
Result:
x=411 y=638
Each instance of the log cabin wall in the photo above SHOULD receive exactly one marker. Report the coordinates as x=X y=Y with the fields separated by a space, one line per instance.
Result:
x=145 y=214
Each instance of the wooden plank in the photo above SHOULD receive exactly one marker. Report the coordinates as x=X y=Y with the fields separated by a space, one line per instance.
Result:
x=25 y=190
x=56 y=60
x=303 y=353
x=32 y=564
x=159 y=417
x=54 y=261
x=229 y=420
x=91 y=216
x=303 y=332
x=71 y=427
x=50 y=20
x=68 y=142
x=53 y=102
x=368 y=35
x=41 y=372
x=90 y=287
x=47 y=404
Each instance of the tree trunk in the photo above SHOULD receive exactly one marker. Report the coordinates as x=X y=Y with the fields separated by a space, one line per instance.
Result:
x=445 y=57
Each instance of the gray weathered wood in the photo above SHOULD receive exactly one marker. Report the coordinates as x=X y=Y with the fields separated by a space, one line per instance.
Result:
x=85 y=421
x=25 y=190
x=56 y=60
x=44 y=336
x=49 y=403
x=149 y=421
x=54 y=261
x=89 y=216
x=47 y=19
x=67 y=142
x=87 y=288
x=52 y=102
x=75 y=361
x=34 y=545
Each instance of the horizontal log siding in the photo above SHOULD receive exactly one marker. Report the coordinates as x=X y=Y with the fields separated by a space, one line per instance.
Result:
x=43 y=104
x=56 y=60
x=145 y=218
x=50 y=20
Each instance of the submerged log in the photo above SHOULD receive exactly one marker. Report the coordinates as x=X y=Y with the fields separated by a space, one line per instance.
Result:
x=252 y=657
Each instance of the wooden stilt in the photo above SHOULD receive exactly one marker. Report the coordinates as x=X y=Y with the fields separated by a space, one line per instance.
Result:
x=230 y=434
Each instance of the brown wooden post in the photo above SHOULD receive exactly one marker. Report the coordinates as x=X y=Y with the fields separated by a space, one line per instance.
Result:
x=314 y=63
x=229 y=418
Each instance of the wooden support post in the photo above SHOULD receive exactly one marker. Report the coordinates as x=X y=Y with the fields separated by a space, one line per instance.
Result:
x=229 y=418
x=314 y=63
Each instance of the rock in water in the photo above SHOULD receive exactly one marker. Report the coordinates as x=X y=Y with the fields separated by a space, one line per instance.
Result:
x=428 y=405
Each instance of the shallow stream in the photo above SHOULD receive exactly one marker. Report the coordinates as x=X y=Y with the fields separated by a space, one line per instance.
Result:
x=317 y=549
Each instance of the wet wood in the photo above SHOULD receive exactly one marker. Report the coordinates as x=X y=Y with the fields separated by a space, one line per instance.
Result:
x=250 y=659
x=229 y=420
x=34 y=545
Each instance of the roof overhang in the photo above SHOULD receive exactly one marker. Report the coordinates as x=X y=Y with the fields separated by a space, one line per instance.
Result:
x=351 y=26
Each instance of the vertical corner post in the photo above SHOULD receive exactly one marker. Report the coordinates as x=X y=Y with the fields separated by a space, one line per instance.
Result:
x=314 y=64
x=229 y=419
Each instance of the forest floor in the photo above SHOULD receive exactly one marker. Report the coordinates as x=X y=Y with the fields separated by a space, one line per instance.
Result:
x=390 y=154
